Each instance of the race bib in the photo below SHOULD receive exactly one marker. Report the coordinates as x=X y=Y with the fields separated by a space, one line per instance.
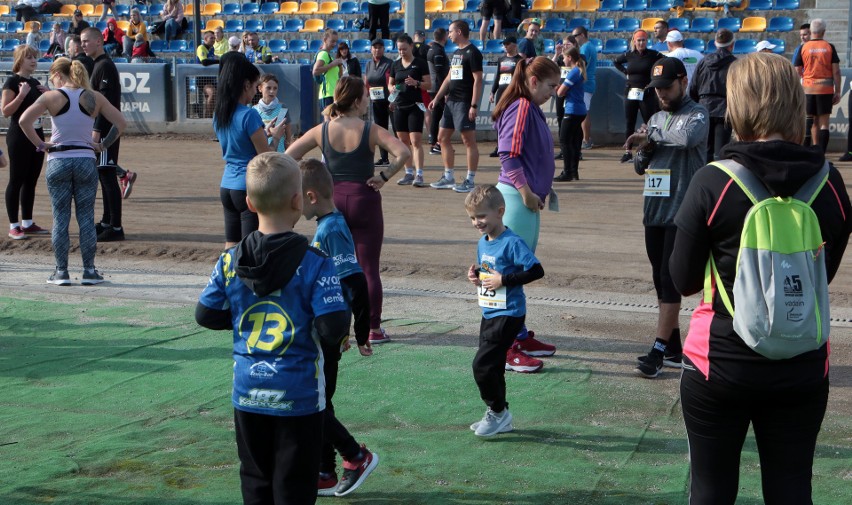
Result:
x=658 y=183
x=505 y=79
x=377 y=93
x=636 y=94
x=37 y=124
x=491 y=299
x=456 y=73
x=563 y=73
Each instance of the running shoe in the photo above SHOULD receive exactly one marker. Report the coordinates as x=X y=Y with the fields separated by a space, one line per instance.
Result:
x=846 y=157
x=627 y=156
x=111 y=234
x=652 y=364
x=436 y=149
x=126 y=183
x=406 y=180
x=562 y=177
x=382 y=163
x=532 y=347
x=34 y=229
x=465 y=186
x=91 y=277
x=326 y=484
x=493 y=423
x=670 y=359
x=100 y=227
x=418 y=182
x=17 y=233
x=494 y=153
x=379 y=337
x=516 y=361
x=559 y=156
x=59 y=278
x=355 y=472
x=587 y=144
x=444 y=183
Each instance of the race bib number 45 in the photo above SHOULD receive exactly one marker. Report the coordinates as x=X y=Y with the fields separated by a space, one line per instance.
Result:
x=658 y=183
x=489 y=299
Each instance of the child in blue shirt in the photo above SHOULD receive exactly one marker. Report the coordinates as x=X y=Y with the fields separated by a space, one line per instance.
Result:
x=333 y=238
x=283 y=301
x=504 y=264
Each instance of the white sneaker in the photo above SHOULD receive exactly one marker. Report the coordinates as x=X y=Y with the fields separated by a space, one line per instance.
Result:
x=444 y=183
x=406 y=180
x=465 y=186
x=493 y=423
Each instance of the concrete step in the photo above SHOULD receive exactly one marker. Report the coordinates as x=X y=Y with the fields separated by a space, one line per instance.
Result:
x=832 y=4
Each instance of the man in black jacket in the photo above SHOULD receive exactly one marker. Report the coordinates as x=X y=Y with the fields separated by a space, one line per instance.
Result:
x=707 y=87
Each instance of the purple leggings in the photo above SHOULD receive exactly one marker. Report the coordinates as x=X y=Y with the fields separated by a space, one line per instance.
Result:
x=361 y=206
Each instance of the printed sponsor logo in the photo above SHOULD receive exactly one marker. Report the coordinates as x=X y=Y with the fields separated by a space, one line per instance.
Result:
x=262 y=370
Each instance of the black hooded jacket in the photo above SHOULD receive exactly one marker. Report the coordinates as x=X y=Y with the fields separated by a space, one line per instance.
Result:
x=707 y=85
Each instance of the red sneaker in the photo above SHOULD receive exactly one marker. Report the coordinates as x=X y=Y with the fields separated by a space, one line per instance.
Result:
x=126 y=184
x=355 y=472
x=532 y=347
x=34 y=229
x=379 y=337
x=16 y=233
x=516 y=361
x=326 y=484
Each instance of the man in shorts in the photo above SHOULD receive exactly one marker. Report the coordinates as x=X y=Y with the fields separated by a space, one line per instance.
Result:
x=819 y=67
x=463 y=91
x=496 y=9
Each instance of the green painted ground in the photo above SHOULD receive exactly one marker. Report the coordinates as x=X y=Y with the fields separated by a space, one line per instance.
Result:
x=127 y=403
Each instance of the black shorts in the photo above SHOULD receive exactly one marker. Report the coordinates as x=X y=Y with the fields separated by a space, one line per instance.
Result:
x=456 y=117
x=818 y=105
x=407 y=119
x=496 y=9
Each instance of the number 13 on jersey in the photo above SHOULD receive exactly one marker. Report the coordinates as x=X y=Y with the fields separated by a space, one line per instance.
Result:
x=658 y=183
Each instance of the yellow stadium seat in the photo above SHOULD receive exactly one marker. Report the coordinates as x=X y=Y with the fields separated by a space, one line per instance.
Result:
x=288 y=8
x=453 y=6
x=588 y=5
x=99 y=9
x=648 y=24
x=434 y=6
x=328 y=8
x=313 y=25
x=67 y=10
x=541 y=5
x=87 y=9
x=754 y=24
x=565 y=6
x=212 y=24
x=122 y=24
x=188 y=9
x=308 y=8
x=28 y=26
x=211 y=9
x=5 y=10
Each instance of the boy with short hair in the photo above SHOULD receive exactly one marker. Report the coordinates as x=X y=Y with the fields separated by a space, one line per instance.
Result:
x=504 y=264
x=283 y=300
x=334 y=238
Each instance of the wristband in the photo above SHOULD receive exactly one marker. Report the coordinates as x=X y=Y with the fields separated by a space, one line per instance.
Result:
x=383 y=176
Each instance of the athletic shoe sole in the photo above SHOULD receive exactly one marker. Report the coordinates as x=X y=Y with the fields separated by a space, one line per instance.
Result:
x=129 y=187
x=60 y=282
x=327 y=492
x=668 y=361
x=640 y=373
x=363 y=477
x=537 y=354
x=523 y=369
x=91 y=282
x=504 y=428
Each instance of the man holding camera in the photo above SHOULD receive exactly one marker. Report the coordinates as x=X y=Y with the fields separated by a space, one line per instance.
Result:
x=672 y=147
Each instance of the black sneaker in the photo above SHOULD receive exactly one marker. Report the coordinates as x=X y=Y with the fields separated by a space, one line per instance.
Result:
x=100 y=227
x=559 y=157
x=382 y=163
x=91 y=277
x=436 y=149
x=565 y=177
x=494 y=153
x=59 y=278
x=355 y=472
x=650 y=366
x=846 y=157
x=628 y=156
x=670 y=359
x=111 y=234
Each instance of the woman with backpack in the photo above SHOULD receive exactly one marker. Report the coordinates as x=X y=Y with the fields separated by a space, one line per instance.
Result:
x=730 y=378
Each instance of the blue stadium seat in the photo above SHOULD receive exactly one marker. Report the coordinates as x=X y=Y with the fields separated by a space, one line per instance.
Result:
x=114 y=60
x=364 y=8
x=254 y=25
x=101 y=26
x=759 y=5
x=269 y=8
x=441 y=23
x=394 y=6
x=578 y=22
x=615 y=46
x=786 y=5
x=603 y=25
x=277 y=45
x=273 y=25
x=694 y=44
x=780 y=45
x=360 y=46
x=703 y=25
x=304 y=61
x=249 y=9
x=297 y=46
x=472 y=6
x=628 y=25
x=605 y=63
x=660 y=5
x=711 y=47
x=732 y=24
x=177 y=46
x=336 y=24
x=450 y=48
x=680 y=24
x=636 y=5
x=599 y=45
x=744 y=46
x=554 y=25
x=471 y=24
x=155 y=9
x=143 y=9
x=122 y=10
x=234 y=25
x=396 y=25
x=158 y=46
x=293 y=25
x=348 y=8
x=314 y=46
x=43 y=45
x=390 y=47
x=11 y=44
x=477 y=43
x=779 y=24
x=549 y=46
x=230 y=9
x=14 y=27
x=2 y=28
x=350 y=27
x=494 y=47
x=611 y=5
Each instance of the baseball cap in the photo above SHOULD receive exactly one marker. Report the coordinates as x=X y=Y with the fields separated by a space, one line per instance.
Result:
x=234 y=41
x=764 y=44
x=724 y=38
x=510 y=40
x=420 y=33
x=378 y=42
x=674 y=36
x=665 y=72
x=78 y=12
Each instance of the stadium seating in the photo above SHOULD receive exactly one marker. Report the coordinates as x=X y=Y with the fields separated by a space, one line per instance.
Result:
x=603 y=25
x=648 y=24
x=230 y=9
x=28 y=26
x=628 y=25
x=348 y=8
x=395 y=7
x=313 y=25
x=360 y=46
x=277 y=45
x=336 y=24
x=99 y=9
x=10 y=44
x=450 y=48
x=293 y=25
x=254 y=25
x=433 y=6
x=578 y=22
x=703 y=25
x=611 y=6
x=786 y=5
x=66 y=10
x=759 y=5
x=249 y=9
x=615 y=46
x=780 y=45
x=211 y=9
x=636 y=5
x=479 y=45
x=233 y=25
x=86 y=9
x=453 y=6
x=307 y=8
x=328 y=8
x=598 y=44
x=660 y=5
x=314 y=46
x=273 y=26
x=542 y=6
x=754 y=24
x=396 y=25
x=744 y=46
x=565 y=6
x=143 y=8
x=472 y=6
x=587 y=5
x=711 y=47
x=694 y=44
x=212 y=24
x=297 y=46
x=5 y=10
x=43 y=45
x=731 y=23
x=554 y=25
x=549 y=46
x=188 y=9
x=494 y=47
x=177 y=46
x=441 y=23
x=680 y=24
x=269 y=8
x=780 y=24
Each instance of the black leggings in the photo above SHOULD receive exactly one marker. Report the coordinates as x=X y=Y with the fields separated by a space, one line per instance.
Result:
x=239 y=220
x=560 y=114
x=786 y=422
x=110 y=191
x=379 y=18
x=381 y=116
x=571 y=140
x=719 y=136
x=335 y=435
x=659 y=244
x=648 y=106
x=24 y=170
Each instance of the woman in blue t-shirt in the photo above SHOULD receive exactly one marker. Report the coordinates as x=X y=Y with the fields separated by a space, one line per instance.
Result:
x=571 y=133
x=241 y=133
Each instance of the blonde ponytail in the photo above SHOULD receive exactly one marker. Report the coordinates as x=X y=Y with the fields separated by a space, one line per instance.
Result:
x=80 y=76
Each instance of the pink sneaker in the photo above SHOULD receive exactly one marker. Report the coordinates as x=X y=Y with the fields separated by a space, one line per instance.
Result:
x=326 y=484
x=379 y=337
x=516 y=361
x=34 y=229
x=532 y=347
x=126 y=184
x=17 y=233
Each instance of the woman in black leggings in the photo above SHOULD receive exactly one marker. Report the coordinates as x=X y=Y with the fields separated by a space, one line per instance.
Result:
x=636 y=64
x=19 y=92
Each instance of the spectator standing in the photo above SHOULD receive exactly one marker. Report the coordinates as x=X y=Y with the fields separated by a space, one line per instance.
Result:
x=376 y=76
x=589 y=52
x=559 y=58
x=496 y=9
x=352 y=65
x=109 y=5
x=636 y=65
x=526 y=46
x=659 y=44
x=439 y=67
x=379 y=13
x=505 y=69
x=804 y=36
x=689 y=57
x=819 y=67
x=33 y=36
x=173 y=17
x=463 y=91
x=673 y=148
x=571 y=131
x=708 y=88
x=409 y=77
x=76 y=53
x=134 y=27
x=327 y=71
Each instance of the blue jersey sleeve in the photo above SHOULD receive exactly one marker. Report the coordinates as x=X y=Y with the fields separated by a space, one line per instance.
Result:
x=214 y=295
x=252 y=122
x=340 y=247
x=522 y=256
x=326 y=295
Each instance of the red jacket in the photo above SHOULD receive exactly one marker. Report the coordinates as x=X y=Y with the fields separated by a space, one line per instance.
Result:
x=118 y=32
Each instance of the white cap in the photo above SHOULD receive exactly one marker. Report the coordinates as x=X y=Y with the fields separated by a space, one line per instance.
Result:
x=234 y=41
x=764 y=44
x=674 y=36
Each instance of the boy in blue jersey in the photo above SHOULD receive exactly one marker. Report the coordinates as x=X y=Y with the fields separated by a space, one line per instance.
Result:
x=333 y=238
x=504 y=265
x=283 y=301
